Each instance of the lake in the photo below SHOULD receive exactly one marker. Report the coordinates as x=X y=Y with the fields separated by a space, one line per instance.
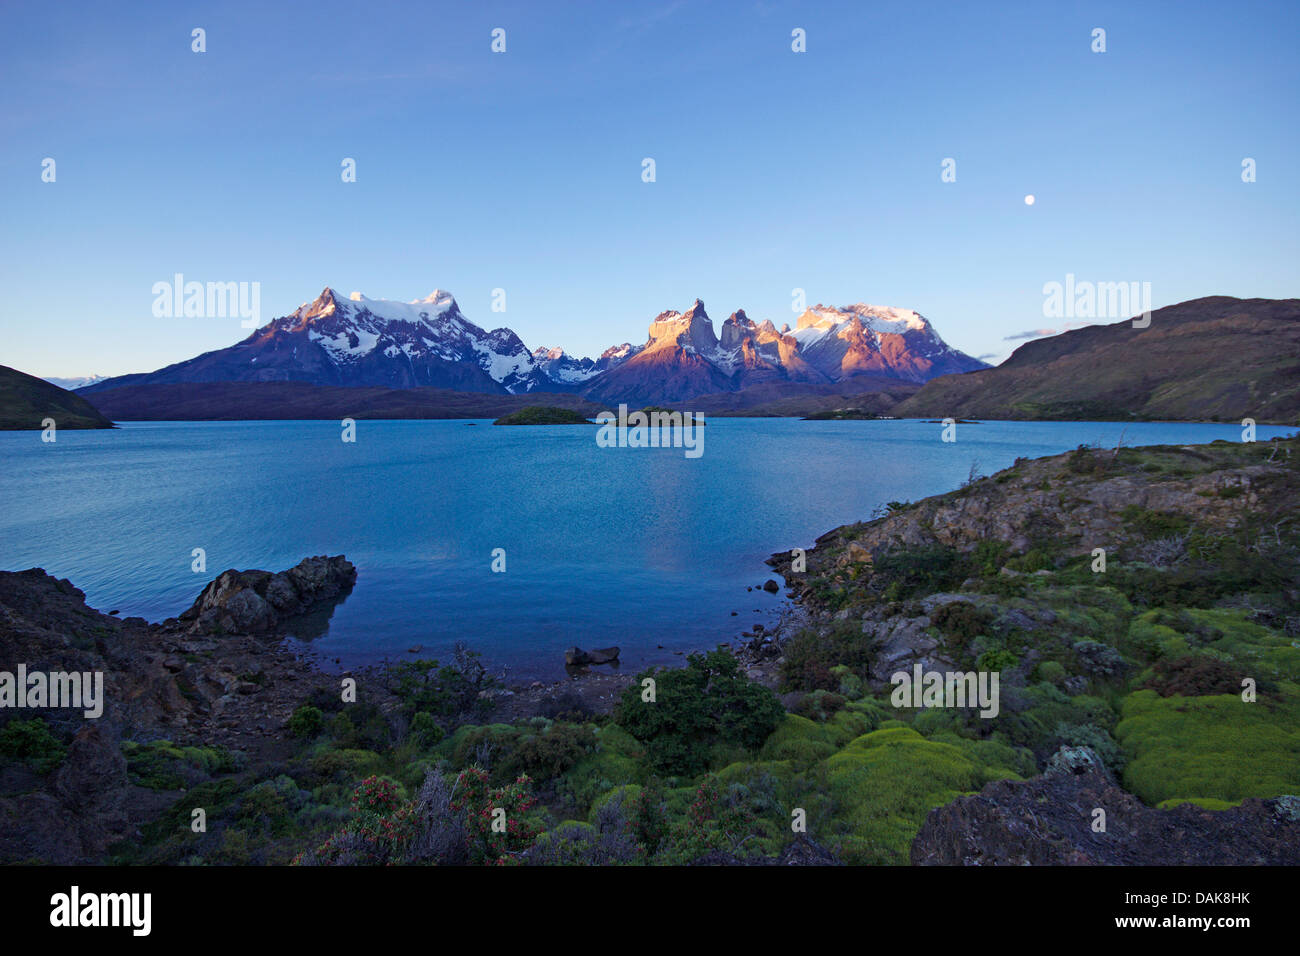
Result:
x=640 y=547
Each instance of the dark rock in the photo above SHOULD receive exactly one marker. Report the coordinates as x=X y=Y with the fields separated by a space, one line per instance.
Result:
x=1048 y=821
x=254 y=602
x=771 y=586
x=577 y=657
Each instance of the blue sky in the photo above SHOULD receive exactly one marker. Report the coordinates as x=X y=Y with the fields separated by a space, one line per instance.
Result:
x=775 y=170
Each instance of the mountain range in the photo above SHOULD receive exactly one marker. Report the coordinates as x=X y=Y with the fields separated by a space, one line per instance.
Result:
x=429 y=343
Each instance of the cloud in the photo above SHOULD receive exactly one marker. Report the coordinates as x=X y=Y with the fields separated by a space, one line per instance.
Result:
x=988 y=355
x=1032 y=334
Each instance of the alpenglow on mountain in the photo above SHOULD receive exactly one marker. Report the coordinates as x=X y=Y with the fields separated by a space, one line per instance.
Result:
x=357 y=341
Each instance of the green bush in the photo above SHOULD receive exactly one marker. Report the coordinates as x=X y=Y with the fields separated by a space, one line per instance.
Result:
x=306 y=721
x=705 y=703
x=813 y=658
x=31 y=742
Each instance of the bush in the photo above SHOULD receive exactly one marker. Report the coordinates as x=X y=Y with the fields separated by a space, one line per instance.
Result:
x=1051 y=671
x=425 y=731
x=696 y=707
x=448 y=691
x=306 y=721
x=960 y=622
x=813 y=658
x=1194 y=675
x=31 y=742
x=920 y=570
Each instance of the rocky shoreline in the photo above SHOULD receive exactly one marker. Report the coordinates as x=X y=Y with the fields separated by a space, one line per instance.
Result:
x=918 y=586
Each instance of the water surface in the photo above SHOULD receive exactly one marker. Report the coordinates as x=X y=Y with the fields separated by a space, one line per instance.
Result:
x=643 y=548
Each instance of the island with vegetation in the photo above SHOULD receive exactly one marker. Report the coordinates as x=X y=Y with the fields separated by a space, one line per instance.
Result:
x=543 y=415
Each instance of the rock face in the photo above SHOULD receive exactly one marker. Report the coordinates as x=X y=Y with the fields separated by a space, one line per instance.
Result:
x=170 y=681
x=254 y=602
x=1048 y=821
x=1047 y=498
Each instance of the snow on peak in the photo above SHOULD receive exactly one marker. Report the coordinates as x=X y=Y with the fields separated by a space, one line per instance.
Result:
x=881 y=319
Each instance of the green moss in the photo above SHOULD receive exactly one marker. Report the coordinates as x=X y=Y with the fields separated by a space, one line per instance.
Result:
x=1217 y=747
x=615 y=762
x=1206 y=803
x=162 y=765
x=884 y=783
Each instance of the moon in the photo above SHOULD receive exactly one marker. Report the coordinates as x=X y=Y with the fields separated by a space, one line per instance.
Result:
x=1029 y=200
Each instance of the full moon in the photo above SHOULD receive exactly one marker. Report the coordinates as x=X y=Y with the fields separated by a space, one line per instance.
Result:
x=1029 y=200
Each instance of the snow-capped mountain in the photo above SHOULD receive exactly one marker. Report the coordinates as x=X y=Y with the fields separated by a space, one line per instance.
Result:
x=563 y=369
x=358 y=341
x=854 y=339
x=80 y=381
x=684 y=358
x=334 y=340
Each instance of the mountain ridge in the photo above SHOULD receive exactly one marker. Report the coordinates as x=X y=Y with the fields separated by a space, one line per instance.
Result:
x=1216 y=357
x=361 y=342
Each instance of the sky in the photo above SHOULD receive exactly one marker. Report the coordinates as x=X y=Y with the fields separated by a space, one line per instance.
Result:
x=522 y=170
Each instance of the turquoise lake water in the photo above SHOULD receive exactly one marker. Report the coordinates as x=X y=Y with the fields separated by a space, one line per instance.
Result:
x=638 y=547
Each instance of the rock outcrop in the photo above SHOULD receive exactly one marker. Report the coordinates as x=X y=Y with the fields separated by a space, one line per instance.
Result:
x=174 y=681
x=1049 y=821
x=254 y=602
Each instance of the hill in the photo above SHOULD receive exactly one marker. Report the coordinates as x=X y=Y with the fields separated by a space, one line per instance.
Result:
x=1215 y=358
x=26 y=401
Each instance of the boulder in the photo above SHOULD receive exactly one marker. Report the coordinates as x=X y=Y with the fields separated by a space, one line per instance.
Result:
x=577 y=657
x=255 y=602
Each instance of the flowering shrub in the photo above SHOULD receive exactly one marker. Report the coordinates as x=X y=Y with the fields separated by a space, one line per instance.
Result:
x=488 y=841
x=378 y=834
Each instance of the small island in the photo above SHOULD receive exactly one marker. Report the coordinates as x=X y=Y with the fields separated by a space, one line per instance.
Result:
x=843 y=414
x=543 y=415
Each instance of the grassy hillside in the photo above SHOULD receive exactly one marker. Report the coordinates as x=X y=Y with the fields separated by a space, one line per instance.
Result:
x=26 y=401
x=1216 y=358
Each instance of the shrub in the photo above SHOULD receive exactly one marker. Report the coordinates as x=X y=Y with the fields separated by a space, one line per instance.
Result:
x=425 y=731
x=447 y=691
x=813 y=657
x=31 y=742
x=1194 y=675
x=1051 y=671
x=705 y=703
x=306 y=721
x=960 y=622
x=923 y=570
